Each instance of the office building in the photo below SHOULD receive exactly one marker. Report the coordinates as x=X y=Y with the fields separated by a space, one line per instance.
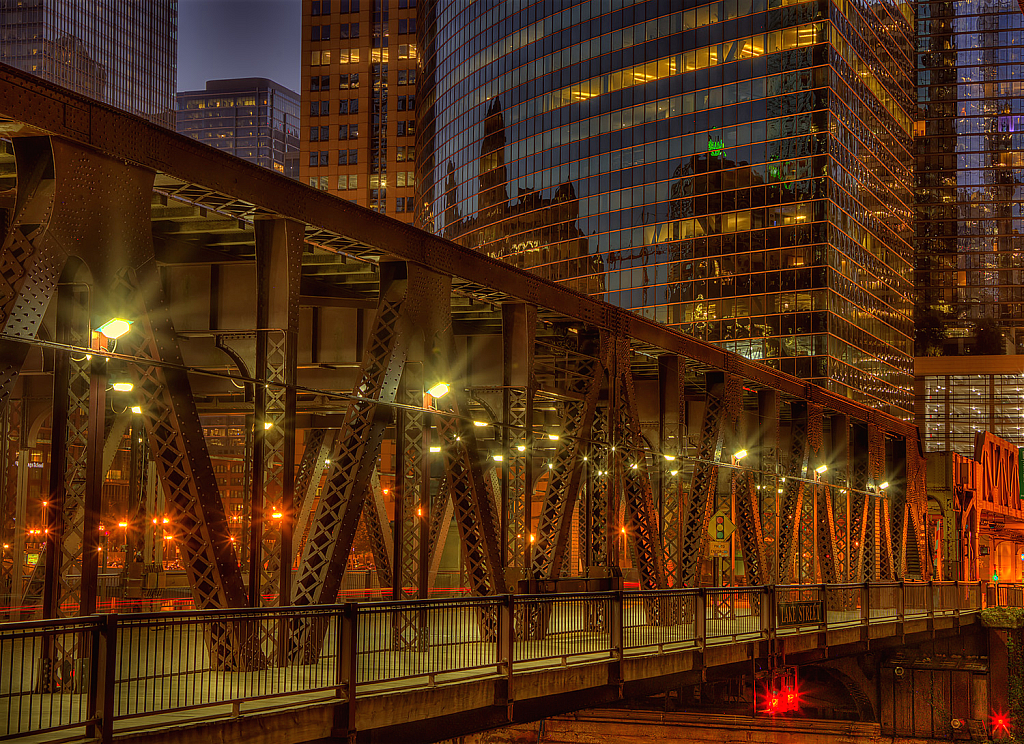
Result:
x=970 y=252
x=359 y=80
x=739 y=170
x=120 y=52
x=252 y=118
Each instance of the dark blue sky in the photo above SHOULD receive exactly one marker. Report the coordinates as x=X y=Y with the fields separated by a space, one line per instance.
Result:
x=238 y=38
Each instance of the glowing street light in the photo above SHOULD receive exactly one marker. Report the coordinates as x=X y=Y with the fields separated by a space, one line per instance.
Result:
x=439 y=390
x=820 y=470
x=115 y=327
x=136 y=409
x=739 y=455
x=123 y=387
x=885 y=485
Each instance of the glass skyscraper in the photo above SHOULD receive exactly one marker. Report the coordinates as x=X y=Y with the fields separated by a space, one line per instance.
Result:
x=120 y=52
x=741 y=170
x=970 y=180
x=252 y=118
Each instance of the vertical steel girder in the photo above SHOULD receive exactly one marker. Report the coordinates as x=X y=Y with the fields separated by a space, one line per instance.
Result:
x=441 y=511
x=10 y=439
x=808 y=567
x=632 y=460
x=69 y=434
x=413 y=482
x=791 y=508
x=357 y=446
x=874 y=534
x=279 y=245
x=672 y=436
x=694 y=521
x=768 y=460
x=600 y=490
x=584 y=379
x=861 y=512
x=839 y=476
x=519 y=326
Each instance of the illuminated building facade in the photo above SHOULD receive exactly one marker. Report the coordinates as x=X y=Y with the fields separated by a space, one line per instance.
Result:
x=252 y=118
x=741 y=170
x=970 y=178
x=120 y=52
x=359 y=78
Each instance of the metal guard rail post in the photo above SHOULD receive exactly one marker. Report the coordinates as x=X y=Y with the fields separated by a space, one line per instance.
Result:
x=100 y=634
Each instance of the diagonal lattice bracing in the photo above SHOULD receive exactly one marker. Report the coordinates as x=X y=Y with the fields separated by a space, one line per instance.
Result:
x=584 y=376
x=337 y=514
x=198 y=522
x=519 y=322
x=748 y=526
x=599 y=492
x=378 y=531
x=860 y=506
x=791 y=507
x=694 y=521
x=637 y=493
x=672 y=437
x=316 y=450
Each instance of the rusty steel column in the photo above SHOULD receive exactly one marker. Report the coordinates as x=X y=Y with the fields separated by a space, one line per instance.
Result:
x=584 y=377
x=518 y=329
x=279 y=245
x=637 y=493
x=672 y=436
x=793 y=494
x=704 y=482
x=861 y=507
x=768 y=464
x=839 y=475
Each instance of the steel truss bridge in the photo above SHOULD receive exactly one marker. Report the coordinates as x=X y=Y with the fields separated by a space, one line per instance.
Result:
x=576 y=439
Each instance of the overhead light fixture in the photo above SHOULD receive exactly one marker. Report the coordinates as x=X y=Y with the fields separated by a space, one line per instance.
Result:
x=553 y=437
x=136 y=409
x=521 y=447
x=115 y=327
x=670 y=458
x=673 y=472
x=268 y=425
x=479 y=423
x=123 y=387
x=633 y=466
x=435 y=448
x=276 y=515
x=740 y=455
x=439 y=390
x=885 y=485
x=498 y=458
x=820 y=470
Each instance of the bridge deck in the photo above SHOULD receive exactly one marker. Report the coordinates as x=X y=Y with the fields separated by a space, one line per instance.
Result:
x=154 y=671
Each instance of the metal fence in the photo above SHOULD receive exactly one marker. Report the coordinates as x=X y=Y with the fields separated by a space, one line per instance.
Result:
x=143 y=670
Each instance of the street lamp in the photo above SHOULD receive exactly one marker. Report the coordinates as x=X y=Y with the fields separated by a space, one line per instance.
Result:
x=439 y=390
x=115 y=327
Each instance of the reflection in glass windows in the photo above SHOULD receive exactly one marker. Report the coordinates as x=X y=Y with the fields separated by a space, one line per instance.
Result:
x=740 y=170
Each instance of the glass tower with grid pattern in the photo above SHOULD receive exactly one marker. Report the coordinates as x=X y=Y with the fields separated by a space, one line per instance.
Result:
x=970 y=251
x=121 y=52
x=970 y=180
x=252 y=118
x=358 y=107
x=741 y=170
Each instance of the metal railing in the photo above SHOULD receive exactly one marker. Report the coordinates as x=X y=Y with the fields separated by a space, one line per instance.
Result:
x=133 y=669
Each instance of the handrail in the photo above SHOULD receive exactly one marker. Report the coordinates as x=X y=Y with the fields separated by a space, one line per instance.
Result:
x=128 y=666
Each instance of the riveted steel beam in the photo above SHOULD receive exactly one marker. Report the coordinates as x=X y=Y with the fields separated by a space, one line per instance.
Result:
x=519 y=328
x=672 y=437
x=704 y=483
x=632 y=463
x=861 y=507
x=793 y=491
x=768 y=460
x=584 y=379
x=358 y=444
x=279 y=245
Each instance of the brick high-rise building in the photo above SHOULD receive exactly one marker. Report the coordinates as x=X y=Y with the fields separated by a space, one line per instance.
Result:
x=359 y=74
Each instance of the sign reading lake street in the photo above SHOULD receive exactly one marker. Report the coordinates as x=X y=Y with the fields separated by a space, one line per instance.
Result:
x=799 y=613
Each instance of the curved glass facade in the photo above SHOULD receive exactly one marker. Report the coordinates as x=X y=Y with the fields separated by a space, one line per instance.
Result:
x=741 y=170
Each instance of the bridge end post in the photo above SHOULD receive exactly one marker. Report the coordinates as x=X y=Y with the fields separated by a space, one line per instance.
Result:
x=102 y=689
